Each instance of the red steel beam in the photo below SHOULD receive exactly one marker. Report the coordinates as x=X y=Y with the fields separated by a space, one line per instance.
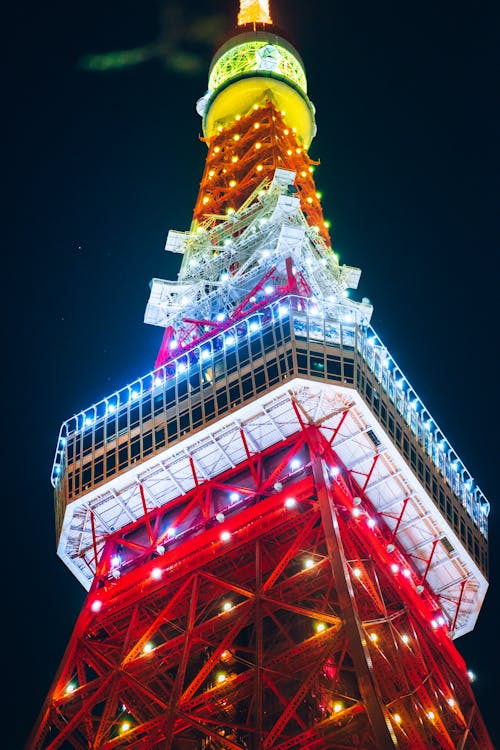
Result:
x=370 y=690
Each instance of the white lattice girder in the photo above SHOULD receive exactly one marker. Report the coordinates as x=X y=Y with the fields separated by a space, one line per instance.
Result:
x=223 y=262
x=266 y=421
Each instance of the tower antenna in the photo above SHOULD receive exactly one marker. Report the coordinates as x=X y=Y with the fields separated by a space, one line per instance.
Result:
x=254 y=11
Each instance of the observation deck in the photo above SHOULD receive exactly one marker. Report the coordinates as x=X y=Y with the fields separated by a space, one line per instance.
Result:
x=140 y=443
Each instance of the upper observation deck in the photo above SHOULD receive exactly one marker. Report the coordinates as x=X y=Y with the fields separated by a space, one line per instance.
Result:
x=192 y=409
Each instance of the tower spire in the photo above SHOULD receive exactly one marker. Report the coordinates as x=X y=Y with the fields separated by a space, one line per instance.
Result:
x=254 y=11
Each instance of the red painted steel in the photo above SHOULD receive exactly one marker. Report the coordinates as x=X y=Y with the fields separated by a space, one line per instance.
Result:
x=246 y=643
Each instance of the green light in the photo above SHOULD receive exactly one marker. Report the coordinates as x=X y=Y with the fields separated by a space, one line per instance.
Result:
x=116 y=60
x=257 y=56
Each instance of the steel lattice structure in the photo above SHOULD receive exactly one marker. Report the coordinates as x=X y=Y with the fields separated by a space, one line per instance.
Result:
x=249 y=151
x=278 y=542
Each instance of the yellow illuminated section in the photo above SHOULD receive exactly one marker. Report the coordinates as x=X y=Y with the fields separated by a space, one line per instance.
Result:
x=254 y=11
x=240 y=96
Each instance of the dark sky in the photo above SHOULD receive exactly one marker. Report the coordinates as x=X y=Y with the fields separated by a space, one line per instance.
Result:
x=101 y=165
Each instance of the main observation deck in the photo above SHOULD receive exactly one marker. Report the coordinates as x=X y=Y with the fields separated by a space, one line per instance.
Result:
x=192 y=410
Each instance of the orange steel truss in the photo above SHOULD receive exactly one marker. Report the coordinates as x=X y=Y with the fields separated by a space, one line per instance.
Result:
x=274 y=621
x=247 y=151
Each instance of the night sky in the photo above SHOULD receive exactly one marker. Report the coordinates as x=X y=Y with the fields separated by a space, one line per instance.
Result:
x=100 y=165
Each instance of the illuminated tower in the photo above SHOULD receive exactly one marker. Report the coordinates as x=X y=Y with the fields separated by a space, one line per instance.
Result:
x=279 y=543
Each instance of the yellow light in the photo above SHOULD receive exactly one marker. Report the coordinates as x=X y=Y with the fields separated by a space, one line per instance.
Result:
x=309 y=563
x=256 y=106
x=217 y=149
x=289 y=152
x=320 y=627
x=125 y=726
x=227 y=606
x=147 y=648
x=206 y=199
x=234 y=159
x=337 y=707
x=230 y=211
x=309 y=200
x=236 y=137
x=238 y=117
x=373 y=637
x=256 y=125
x=311 y=169
x=286 y=131
x=302 y=174
x=431 y=715
x=220 y=128
x=283 y=112
x=319 y=196
x=232 y=183
x=327 y=224
x=397 y=718
x=260 y=168
x=258 y=145
x=211 y=173
x=298 y=150
x=71 y=689
x=241 y=95
x=221 y=677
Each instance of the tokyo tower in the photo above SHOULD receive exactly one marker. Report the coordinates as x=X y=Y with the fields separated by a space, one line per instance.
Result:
x=279 y=544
